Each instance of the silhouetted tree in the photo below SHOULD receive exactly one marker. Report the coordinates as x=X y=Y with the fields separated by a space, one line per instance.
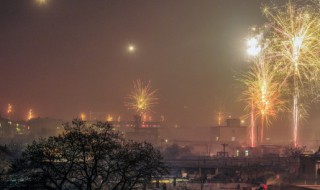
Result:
x=89 y=157
x=137 y=164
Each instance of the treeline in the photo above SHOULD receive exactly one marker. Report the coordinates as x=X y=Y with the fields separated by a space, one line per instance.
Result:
x=85 y=156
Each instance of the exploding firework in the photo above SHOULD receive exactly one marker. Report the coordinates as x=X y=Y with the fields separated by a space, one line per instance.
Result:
x=262 y=90
x=263 y=95
x=142 y=98
x=294 y=31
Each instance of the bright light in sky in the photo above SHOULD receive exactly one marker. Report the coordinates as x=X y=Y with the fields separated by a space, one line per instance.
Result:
x=41 y=1
x=131 y=48
x=253 y=47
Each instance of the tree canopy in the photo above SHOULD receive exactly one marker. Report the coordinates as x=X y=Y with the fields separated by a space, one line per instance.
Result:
x=88 y=156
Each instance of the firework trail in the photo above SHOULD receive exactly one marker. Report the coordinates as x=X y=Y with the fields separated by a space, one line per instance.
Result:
x=261 y=88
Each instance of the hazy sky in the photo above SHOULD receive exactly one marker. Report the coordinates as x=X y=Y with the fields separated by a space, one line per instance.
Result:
x=70 y=56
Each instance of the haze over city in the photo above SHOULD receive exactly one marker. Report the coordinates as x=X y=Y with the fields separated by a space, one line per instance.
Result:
x=160 y=95
x=62 y=58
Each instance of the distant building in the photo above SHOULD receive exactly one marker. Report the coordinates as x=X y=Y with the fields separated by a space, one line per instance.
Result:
x=232 y=133
x=231 y=136
x=26 y=131
x=8 y=128
x=139 y=130
x=45 y=127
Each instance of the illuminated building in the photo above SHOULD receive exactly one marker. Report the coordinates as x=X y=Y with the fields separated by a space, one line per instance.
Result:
x=139 y=130
x=232 y=133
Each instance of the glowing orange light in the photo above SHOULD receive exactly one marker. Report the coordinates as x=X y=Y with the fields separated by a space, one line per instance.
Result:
x=9 y=109
x=30 y=114
x=83 y=116
x=41 y=2
x=109 y=118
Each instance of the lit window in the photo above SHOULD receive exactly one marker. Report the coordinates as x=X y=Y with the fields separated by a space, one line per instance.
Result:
x=247 y=153
x=233 y=138
x=237 y=153
x=217 y=138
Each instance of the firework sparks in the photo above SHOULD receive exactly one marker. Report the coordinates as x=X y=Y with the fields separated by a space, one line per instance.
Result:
x=142 y=98
x=263 y=95
x=220 y=112
x=30 y=114
x=252 y=122
x=262 y=91
x=295 y=34
x=9 y=109
x=253 y=49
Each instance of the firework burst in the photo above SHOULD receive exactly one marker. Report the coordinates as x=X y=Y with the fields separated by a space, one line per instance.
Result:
x=261 y=88
x=263 y=95
x=294 y=31
x=142 y=98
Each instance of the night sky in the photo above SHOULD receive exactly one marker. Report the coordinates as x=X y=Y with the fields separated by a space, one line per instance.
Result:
x=70 y=56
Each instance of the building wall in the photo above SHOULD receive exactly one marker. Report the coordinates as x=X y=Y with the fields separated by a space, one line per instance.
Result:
x=150 y=135
x=231 y=133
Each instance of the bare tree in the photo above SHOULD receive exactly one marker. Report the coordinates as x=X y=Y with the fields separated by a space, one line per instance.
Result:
x=88 y=156
x=138 y=163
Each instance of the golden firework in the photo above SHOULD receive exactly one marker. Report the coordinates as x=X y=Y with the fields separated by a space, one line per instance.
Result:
x=142 y=98
x=294 y=32
x=263 y=91
x=261 y=87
